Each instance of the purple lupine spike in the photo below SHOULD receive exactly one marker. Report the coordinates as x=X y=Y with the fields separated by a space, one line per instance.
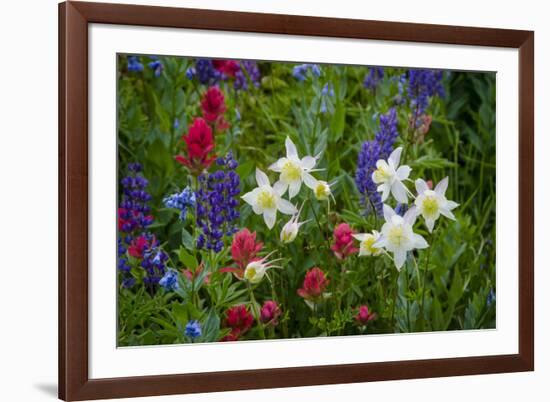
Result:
x=371 y=151
x=421 y=86
x=217 y=204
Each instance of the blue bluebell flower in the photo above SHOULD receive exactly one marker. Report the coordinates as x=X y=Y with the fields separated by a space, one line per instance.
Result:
x=327 y=91
x=156 y=65
x=193 y=329
x=300 y=71
x=190 y=72
x=134 y=65
x=371 y=151
x=373 y=78
x=217 y=204
x=169 y=281
x=183 y=201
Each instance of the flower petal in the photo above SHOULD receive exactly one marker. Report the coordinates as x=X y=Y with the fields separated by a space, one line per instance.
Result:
x=410 y=215
x=385 y=189
x=261 y=178
x=291 y=150
x=403 y=172
x=309 y=180
x=419 y=241
x=251 y=196
x=294 y=188
x=446 y=213
x=360 y=236
x=380 y=243
x=442 y=186
x=388 y=212
x=382 y=164
x=270 y=215
x=280 y=187
x=420 y=185
x=399 y=191
x=277 y=166
x=394 y=158
x=429 y=224
x=399 y=258
x=450 y=205
x=286 y=207
x=257 y=209
x=308 y=162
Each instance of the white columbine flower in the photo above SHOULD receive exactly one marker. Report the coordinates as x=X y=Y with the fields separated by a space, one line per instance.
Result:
x=367 y=241
x=397 y=235
x=432 y=203
x=256 y=270
x=290 y=229
x=322 y=190
x=266 y=200
x=389 y=177
x=293 y=171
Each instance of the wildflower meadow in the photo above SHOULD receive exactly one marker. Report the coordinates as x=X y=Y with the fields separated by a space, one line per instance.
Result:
x=273 y=200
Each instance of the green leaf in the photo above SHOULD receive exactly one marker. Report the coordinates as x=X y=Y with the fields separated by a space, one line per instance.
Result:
x=159 y=155
x=245 y=169
x=429 y=162
x=180 y=313
x=187 y=240
x=188 y=260
x=338 y=121
x=211 y=327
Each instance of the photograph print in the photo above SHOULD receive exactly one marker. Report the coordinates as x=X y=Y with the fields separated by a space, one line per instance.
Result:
x=275 y=200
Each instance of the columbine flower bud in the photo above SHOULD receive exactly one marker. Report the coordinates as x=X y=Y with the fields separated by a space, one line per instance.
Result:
x=289 y=231
x=322 y=190
x=255 y=271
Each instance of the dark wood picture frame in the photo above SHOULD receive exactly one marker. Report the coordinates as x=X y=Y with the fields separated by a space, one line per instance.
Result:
x=74 y=382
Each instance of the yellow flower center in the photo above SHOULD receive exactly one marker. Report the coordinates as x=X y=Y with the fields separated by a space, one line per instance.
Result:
x=396 y=236
x=287 y=235
x=367 y=245
x=381 y=175
x=291 y=171
x=322 y=191
x=430 y=206
x=266 y=200
x=250 y=273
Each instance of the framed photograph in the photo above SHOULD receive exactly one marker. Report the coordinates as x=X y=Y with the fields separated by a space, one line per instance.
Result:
x=259 y=200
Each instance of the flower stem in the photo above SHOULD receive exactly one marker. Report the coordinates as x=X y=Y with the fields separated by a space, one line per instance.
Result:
x=394 y=301
x=256 y=312
x=424 y=275
x=319 y=225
